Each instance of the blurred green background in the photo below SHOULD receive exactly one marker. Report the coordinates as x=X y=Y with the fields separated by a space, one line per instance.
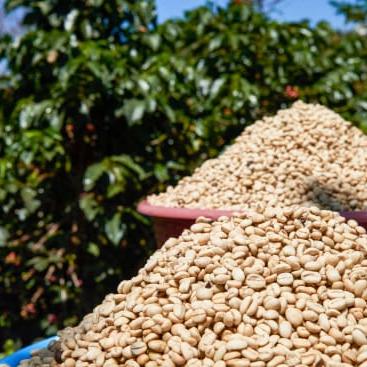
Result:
x=101 y=105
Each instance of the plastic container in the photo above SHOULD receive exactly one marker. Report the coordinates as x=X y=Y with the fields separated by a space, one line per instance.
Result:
x=360 y=217
x=170 y=222
x=25 y=353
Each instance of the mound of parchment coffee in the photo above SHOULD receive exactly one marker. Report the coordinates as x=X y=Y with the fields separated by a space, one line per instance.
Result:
x=305 y=155
x=272 y=288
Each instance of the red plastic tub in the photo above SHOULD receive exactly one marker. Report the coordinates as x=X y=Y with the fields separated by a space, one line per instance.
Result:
x=360 y=217
x=170 y=222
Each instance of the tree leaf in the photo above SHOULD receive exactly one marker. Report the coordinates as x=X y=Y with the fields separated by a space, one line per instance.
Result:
x=133 y=110
x=115 y=229
x=89 y=206
x=29 y=198
x=92 y=174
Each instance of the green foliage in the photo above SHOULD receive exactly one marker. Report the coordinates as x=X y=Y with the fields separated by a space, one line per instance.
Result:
x=9 y=347
x=70 y=173
x=355 y=11
x=102 y=106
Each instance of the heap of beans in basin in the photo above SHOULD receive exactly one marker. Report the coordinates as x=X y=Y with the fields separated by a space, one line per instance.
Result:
x=275 y=287
x=305 y=155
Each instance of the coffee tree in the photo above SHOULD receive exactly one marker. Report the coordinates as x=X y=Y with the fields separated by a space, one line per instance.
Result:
x=355 y=11
x=59 y=135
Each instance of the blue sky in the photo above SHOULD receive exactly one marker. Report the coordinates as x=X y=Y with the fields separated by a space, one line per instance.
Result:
x=288 y=10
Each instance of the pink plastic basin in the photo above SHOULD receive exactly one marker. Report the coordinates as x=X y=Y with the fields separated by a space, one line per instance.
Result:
x=360 y=217
x=170 y=222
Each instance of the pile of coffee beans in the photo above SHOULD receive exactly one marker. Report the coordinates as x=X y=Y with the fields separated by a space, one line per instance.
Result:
x=306 y=155
x=46 y=357
x=271 y=288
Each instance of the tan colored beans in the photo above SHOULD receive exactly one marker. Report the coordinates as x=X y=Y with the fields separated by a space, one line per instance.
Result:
x=285 y=279
x=294 y=316
x=304 y=155
x=205 y=304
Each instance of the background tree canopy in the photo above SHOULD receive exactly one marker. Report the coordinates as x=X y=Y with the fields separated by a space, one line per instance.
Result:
x=354 y=12
x=102 y=106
